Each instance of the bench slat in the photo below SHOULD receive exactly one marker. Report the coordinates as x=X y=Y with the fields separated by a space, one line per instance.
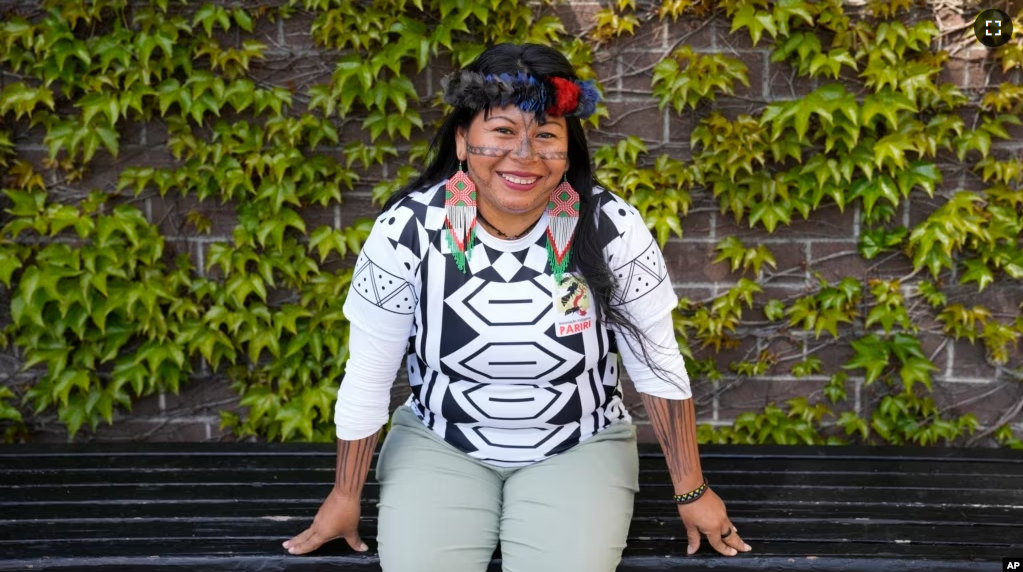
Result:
x=305 y=509
x=54 y=476
x=648 y=465
x=641 y=556
x=979 y=535
x=742 y=493
x=715 y=458
x=282 y=450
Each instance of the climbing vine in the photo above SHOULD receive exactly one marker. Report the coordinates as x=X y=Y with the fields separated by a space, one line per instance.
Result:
x=101 y=314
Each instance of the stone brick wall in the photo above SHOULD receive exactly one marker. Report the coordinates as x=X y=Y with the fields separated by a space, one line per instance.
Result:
x=825 y=247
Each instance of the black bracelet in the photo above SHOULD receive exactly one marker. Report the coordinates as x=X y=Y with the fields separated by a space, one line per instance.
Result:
x=693 y=495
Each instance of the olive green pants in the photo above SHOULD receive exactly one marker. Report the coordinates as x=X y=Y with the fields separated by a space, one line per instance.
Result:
x=443 y=511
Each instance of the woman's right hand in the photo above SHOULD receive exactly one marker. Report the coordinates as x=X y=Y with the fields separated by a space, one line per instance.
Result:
x=338 y=517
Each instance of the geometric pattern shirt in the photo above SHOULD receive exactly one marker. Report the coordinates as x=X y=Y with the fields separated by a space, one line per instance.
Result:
x=503 y=364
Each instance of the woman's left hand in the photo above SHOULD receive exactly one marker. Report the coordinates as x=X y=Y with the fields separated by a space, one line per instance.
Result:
x=708 y=516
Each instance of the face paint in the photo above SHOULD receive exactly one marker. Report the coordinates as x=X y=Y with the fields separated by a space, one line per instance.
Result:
x=486 y=151
x=525 y=149
x=504 y=151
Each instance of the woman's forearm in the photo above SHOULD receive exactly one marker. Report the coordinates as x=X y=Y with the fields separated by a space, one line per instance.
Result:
x=674 y=423
x=353 y=461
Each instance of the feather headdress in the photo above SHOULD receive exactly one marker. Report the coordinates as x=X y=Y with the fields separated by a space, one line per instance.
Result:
x=556 y=96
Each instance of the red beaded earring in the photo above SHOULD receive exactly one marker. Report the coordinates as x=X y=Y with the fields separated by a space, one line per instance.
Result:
x=460 y=206
x=562 y=217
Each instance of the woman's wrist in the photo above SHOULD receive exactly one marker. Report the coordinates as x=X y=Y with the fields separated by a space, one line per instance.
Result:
x=689 y=482
x=693 y=494
x=346 y=493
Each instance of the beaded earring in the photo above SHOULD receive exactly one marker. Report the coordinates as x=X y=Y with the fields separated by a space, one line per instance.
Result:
x=562 y=217
x=460 y=207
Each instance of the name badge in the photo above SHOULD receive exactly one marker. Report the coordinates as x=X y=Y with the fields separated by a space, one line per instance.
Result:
x=573 y=308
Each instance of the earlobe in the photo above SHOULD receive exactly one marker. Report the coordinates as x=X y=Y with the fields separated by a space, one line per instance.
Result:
x=460 y=143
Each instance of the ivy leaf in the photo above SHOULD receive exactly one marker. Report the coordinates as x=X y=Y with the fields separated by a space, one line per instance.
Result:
x=293 y=420
x=68 y=381
x=813 y=104
x=872 y=355
x=23 y=99
x=774 y=310
x=7 y=411
x=9 y=263
x=770 y=213
x=853 y=423
x=887 y=104
x=905 y=347
x=109 y=137
x=732 y=249
x=832 y=62
x=664 y=223
x=287 y=318
x=547 y=30
x=916 y=370
x=785 y=10
x=442 y=34
x=351 y=77
x=170 y=92
x=325 y=240
x=240 y=95
x=242 y=18
x=973 y=140
x=881 y=426
x=892 y=147
x=756 y=20
x=871 y=191
x=260 y=401
x=1013 y=265
x=260 y=340
x=920 y=173
x=319 y=399
x=376 y=123
x=877 y=240
x=883 y=315
x=977 y=271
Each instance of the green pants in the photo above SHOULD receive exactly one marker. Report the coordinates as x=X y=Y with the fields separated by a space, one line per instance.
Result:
x=443 y=511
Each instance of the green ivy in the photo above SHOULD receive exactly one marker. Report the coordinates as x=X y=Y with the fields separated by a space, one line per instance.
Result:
x=104 y=316
x=873 y=151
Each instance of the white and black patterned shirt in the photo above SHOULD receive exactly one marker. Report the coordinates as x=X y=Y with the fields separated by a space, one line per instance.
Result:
x=502 y=364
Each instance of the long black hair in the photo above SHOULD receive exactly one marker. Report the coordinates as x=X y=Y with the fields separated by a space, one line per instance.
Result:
x=541 y=62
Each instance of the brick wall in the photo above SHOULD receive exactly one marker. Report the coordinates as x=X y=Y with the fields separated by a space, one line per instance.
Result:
x=825 y=247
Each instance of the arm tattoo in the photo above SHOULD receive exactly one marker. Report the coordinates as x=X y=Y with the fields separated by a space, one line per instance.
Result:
x=674 y=423
x=353 y=460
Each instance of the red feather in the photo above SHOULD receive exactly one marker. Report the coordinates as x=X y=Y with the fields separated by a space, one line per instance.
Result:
x=566 y=96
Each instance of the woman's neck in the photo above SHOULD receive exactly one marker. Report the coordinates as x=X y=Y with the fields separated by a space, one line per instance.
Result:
x=508 y=227
x=501 y=234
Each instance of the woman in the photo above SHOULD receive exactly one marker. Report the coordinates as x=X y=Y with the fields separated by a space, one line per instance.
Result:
x=514 y=296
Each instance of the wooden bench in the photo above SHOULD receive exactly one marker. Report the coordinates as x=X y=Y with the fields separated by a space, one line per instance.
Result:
x=211 y=507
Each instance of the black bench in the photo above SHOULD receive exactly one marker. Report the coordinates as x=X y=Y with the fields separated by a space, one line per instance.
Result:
x=218 y=507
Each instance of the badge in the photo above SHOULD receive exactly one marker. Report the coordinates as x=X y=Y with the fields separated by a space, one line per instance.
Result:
x=573 y=308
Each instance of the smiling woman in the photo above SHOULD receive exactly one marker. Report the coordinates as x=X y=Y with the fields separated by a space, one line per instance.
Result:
x=515 y=162
x=512 y=283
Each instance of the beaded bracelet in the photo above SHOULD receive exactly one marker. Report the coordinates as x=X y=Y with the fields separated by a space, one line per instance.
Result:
x=693 y=495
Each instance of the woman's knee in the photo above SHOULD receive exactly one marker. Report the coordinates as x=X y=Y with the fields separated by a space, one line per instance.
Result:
x=439 y=509
x=571 y=513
